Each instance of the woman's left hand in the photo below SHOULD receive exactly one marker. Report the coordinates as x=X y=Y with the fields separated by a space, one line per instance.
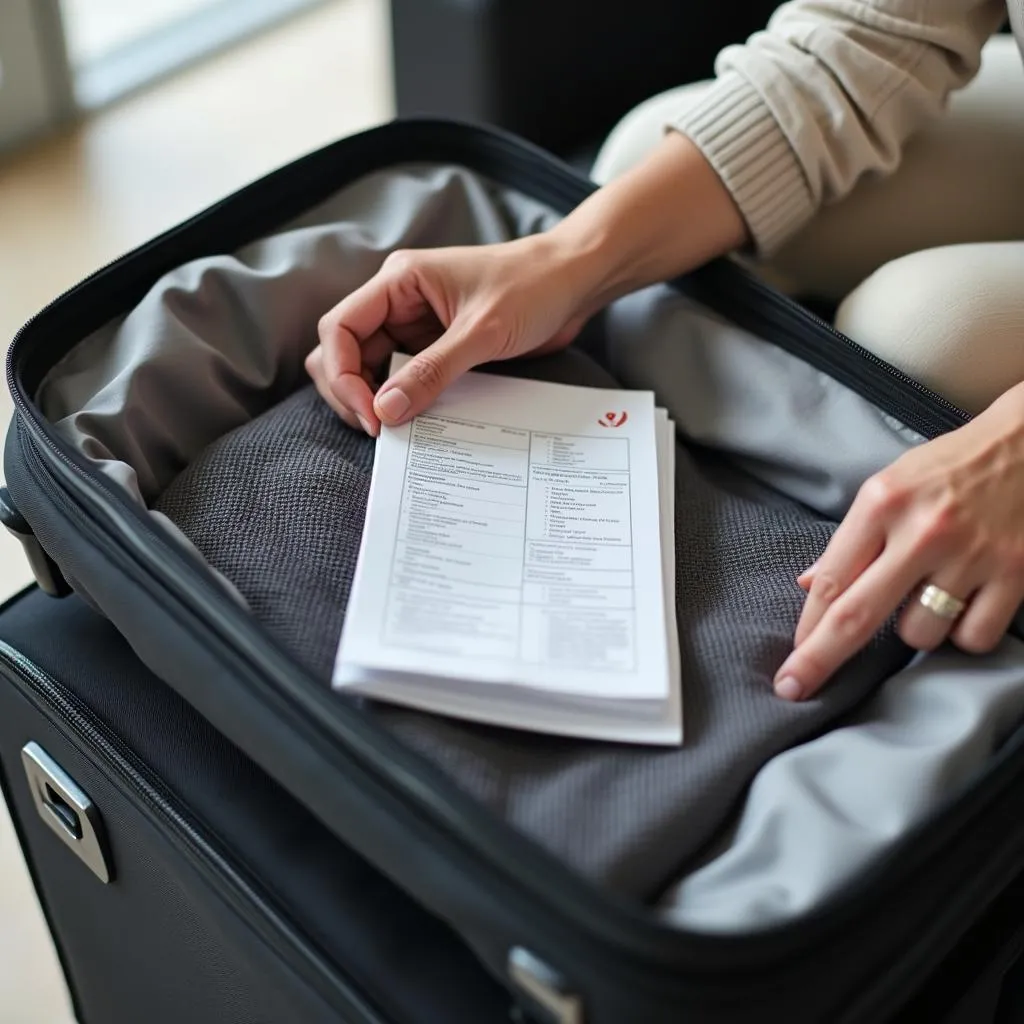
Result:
x=949 y=514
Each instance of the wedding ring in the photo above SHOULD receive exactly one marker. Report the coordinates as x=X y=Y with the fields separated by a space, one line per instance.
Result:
x=942 y=603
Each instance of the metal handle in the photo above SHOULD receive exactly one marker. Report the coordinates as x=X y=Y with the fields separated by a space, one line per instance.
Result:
x=546 y=995
x=70 y=814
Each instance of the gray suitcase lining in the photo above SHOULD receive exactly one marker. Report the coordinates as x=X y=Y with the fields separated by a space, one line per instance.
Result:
x=196 y=404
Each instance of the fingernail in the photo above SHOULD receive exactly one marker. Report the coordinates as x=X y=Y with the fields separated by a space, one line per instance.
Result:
x=788 y=688
x=365 y=424
x=393 y=404
x=807 y=573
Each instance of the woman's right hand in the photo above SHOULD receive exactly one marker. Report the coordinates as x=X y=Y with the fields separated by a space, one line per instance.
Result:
x=456 y=308
x=453 y=309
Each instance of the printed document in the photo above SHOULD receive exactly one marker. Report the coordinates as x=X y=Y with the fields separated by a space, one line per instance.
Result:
x=517 y=563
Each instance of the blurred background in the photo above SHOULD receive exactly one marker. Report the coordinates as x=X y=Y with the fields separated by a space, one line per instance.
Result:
x=119 y=118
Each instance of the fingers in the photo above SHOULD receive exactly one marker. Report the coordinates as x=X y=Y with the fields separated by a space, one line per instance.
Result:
x=352 y=321
x=377 y=350
x=847 y=624
x=854 y=546
x=355 y=394
x=988 y=615
x=314 y=367
x=860 y=609
x=345 y=332
x=420 y=381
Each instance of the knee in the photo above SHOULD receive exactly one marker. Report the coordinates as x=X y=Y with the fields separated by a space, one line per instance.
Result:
x=952 y=318
x=641 y=130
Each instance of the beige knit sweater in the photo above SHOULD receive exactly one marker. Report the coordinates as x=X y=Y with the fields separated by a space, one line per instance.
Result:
x=831 y=90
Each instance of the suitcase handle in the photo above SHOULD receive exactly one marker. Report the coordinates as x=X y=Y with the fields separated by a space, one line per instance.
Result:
x=43 y=567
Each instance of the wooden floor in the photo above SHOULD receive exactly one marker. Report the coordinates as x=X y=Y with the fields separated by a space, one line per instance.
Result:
x=72 y=203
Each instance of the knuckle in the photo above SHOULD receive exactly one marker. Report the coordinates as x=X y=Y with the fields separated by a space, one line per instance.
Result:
x=427 y=371
x=850 y=621
x=883 y=493
x=941 y=523
x=826 y=587
x=940 y=530
x=325 y=325
x=977 y=549
x=493 y=332
x=400 y=262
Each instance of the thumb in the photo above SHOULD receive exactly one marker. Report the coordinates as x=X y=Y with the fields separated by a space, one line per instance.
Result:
x=418 y=384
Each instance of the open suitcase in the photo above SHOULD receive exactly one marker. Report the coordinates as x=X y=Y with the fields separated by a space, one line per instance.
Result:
x=216 y=835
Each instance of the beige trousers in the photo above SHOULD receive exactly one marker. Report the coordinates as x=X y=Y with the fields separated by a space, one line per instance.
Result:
x=927 y=265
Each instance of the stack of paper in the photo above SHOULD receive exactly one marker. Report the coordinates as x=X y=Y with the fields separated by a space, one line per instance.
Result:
x=518 y=563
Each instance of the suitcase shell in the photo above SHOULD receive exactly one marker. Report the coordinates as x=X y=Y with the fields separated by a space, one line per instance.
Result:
x=216 y=897
x=222 y=899
x=565 y=950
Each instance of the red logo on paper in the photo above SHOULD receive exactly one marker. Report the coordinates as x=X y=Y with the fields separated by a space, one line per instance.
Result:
x=613 y=419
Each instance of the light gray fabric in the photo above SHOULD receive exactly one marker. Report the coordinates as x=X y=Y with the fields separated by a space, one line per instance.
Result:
x=222 y=338
x=220 y=341
x=781 y=420
x=818 y=813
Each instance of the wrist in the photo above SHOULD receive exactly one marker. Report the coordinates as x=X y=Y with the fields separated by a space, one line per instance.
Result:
x=1008 y=410
x=669 y=214
x=583 y=259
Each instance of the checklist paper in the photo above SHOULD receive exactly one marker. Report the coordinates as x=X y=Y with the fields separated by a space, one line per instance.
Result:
x=517 y=563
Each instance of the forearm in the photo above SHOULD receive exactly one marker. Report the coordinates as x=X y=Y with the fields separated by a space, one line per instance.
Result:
x=794 y=119
x=668 y=215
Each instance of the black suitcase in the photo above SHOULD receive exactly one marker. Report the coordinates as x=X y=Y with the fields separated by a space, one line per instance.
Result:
x=212 y=895
x=272 y=852
x=179 y=881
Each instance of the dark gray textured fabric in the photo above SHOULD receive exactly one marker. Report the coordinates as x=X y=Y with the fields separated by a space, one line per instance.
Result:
x=277 y=506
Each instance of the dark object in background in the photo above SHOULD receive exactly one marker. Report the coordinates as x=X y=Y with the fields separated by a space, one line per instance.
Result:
x=558 y=72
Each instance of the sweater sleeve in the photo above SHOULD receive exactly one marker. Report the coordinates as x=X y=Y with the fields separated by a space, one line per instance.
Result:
x=830 y=91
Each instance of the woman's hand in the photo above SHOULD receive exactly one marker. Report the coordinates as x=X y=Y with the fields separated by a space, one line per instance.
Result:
x=459 y=307
x=454 y=308
x=949 y=514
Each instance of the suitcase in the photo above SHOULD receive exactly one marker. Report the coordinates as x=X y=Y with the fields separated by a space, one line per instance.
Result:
x=211 y=894
x=179 y=881
x=251 y=846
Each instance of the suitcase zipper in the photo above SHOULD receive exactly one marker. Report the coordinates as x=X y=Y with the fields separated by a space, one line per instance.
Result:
x=801 y=331
x=755 y=306
x=133 y=779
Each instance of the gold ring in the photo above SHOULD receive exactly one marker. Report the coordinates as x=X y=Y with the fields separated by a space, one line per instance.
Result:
x=941 y=602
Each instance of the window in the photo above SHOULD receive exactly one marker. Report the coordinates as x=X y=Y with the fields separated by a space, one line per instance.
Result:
x=95 y=29
x=116 y=46
x=57 y=56
x=35 y=91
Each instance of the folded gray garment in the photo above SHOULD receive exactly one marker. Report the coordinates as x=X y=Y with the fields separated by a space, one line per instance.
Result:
x=277 y=506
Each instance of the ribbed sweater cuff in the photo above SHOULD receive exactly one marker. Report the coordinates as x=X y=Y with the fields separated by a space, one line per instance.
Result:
x=737 y=133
